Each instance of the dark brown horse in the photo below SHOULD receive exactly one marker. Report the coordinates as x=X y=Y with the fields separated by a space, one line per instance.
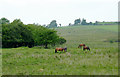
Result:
x=60 y=49
x=81 y=45
x=86 y=47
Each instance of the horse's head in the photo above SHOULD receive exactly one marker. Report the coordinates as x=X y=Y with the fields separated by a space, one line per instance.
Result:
x=83 y=44
x=65 y=49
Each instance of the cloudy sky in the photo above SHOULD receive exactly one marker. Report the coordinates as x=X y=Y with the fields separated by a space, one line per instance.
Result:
x=63 y=11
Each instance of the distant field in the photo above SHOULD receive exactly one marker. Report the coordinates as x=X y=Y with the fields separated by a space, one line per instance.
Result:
x=101 y=60
x=93 y=36
x=109 y=27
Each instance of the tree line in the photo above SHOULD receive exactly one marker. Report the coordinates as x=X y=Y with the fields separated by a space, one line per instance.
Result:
x=78 y=22
x=84 y=22
x=17 y=34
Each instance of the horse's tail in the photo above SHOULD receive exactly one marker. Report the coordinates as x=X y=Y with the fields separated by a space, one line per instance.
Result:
x=79 y=46
x=55 y=51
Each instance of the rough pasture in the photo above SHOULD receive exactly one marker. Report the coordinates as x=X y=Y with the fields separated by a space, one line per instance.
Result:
x=101 y=60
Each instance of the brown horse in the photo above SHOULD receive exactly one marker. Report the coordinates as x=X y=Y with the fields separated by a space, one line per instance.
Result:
x=81 y=45
x=60 y=49
x=86 y=47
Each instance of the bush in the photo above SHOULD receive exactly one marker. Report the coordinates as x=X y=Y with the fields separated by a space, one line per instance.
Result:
x=16 y=34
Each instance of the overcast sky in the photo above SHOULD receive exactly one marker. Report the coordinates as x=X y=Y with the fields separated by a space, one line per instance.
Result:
x=63 y=11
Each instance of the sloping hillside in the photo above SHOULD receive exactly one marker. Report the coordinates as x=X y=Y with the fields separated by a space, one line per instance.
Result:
x=93 y=36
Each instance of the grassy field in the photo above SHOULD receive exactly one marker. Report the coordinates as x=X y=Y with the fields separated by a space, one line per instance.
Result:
x=109 y=27
x=101 y=60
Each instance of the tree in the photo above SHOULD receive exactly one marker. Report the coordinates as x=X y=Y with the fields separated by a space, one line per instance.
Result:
x=49 y=37
x=70 y=24
x=60 y=25
x=44 y=36
x=44 y=25
x=90 y=23
x=83 y=22
x=61 y=40
x=53 y=24
x=22 y=32
x=77 y=21
x=16 y=34
x=96 y=22
x=4 y=21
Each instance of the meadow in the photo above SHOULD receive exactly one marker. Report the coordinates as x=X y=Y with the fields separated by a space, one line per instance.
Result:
x=102 y=59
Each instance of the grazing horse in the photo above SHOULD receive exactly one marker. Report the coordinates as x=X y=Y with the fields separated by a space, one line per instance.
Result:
x=60 y=49
x=81 y=45
x=86 y=47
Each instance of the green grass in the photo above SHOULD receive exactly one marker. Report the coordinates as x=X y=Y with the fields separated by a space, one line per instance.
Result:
x=109 y=27
x=101 y=60
x=93 y=36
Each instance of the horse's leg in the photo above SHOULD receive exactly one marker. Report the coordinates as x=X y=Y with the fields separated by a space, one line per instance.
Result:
x=89 y=49
x=83 y=49
x=55 y=51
